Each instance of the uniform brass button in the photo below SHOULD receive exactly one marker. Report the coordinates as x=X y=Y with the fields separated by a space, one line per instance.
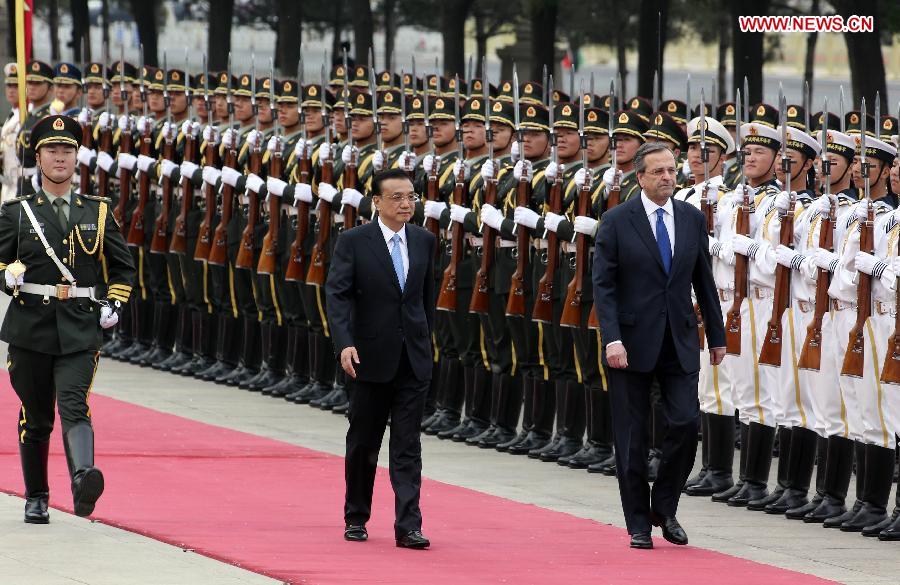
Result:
x=65 y=260
x=65 y=241
x=21 y=302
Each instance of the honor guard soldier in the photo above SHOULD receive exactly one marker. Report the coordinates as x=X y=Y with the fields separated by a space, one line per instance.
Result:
x=52 y=245
x=38 y=83
x=9 y=161
x=628 y=131
x=67 y=89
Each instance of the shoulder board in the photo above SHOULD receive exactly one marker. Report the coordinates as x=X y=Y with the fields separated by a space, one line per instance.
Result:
x=881 y=207
x=97 y=198
x=844 y=200
x=20 y=198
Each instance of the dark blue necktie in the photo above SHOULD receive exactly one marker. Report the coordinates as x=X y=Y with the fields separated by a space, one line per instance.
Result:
x=662 y=240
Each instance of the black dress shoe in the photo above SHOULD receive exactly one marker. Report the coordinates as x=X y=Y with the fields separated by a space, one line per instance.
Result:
x=836 y=521
x=869 y=515
x=531 y=442
x=790 y=499
x=750 y=491
x=671 y=529
x=36 y=509
x=829 y=507
x=714 y=481
x=356 y=533
x=641 y=540
x=760 y=504
x=493 y=439
x=413 y=539
x=726 y=495
x=892 y=532
x=87 y=487
x=606 y=467
x=799 y=512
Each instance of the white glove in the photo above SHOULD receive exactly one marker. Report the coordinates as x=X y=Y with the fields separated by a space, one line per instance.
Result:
x=189 y=128
x=211 y=175
x=788 y=257
x=36 y=182
x=714 y=245
x=169 y=131
x=726 y=253
x=515 y=151
x=349 y=153
x=166 y=167
x=526 y=217
x=104 y=161
x=300 y=149
x=552 y=171
x=523 y=166
x=327 y=192
x=491 y=216
x=464 y=167
x=407 y=161
x=783 y=201
x=275 y=143
x=487 y=170
x=351 y=197
x=127 y=161
x=861 y=209
x=12 y=281
x=738 y=194
x=229 y=138
x=378 y=161
x=144 y=124
x=742 y=244
x=612 y=176
x=865 y=262
x=325 y=151
x=103 y=120
x=686 y=168
x=254 y=137
x=124 y=123
x=84 y=117
x=276 y=187
x=254 y=182
x=188 y=169
x=552 y=221
x=428 y=163
x=211 y=134
x=458 y=213
x=821 y=205
x=585 y=225
x=86 y=155
x=825 y=259
x=896 y=265
x=580 y=178
x=303 y=193
x=108 y=317
x=434 y=209
x=144 y=162
x=230 y=176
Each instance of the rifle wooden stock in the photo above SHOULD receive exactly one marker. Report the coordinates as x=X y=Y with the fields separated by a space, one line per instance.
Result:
x=160 y=244
x=770 y=354
x=709 y=213
x=741 y=277
x=480 y=302
x=811 y=354
x=853 y=357
x=268 y=258
x=179 y=235
x=431 y=194
x=515 y=302
x=890 y=373
x=593 y=322
x=571 y=313
x=349 y=212
x=447 y=297
x=124 y=183
x=245 y=249
x=204 y=233
x=84 y=173
x=543 y=300
x=218 y=254
x=701 y=329
x=136 y=232
x=615 y=194
x=297 y=268
x=316 y=274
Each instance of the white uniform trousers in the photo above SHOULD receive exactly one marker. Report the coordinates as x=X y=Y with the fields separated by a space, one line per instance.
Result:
x=715 y=381
x=751 y=398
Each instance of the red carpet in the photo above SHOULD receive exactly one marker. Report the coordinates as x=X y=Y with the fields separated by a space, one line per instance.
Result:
x=276 y=509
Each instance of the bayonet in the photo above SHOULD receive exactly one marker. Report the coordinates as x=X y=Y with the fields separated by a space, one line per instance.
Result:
x=620 y=93
x=687 y=94
x=486 y=96
x=863 y=159
x=253 y=105
x=228 y=99
x=806 y=106
x=272 y=97
x=377 y=124
x=209 y=113
x=704 y=150
x=324 y=109
x=545 y=81
x=459 y=136
x=187 y=89
x=554 y=154
x=404 y=123
x=166 y=98
x=143 y=88
x=841 y=109
x=826 y=162
x=611 y=120
x=739 y=119
x=655 y=92
x=347 y=122
x=516 y=117
x=746 y=95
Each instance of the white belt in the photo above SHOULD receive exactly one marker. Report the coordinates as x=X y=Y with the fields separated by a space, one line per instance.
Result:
x=762 y=293
x=29 y=172
x=805 y=306
x=572 y=247
x=501 y=243
x=884 y=308
x=58 y=291
x=288 y=209
x=842 y=305
x=475 y=242
x=539 y=244
x=726 y=295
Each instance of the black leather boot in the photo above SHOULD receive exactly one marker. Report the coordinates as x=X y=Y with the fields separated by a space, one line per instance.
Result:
x=250 y=354
x=606 y=466
x=296 y=371
x=550 y=411
x=892 y=531
x=859 y=457
x=838 y=463
x=878 y=479
x=742 y=437
x=509 y=405
x=37 y=490
x=704 y=453
x=720 y=440
x=542 y=414
x=320 y=382
x=87 y=480
x=452 y=397
x=599 y=444
x=431 y=396
x=759 y=461
x=571 y=435
x=158 y=319
x=527 y=386
x=228 y=349
x=272 y=369
x=821 y=455
x=782 y=482
x=167 y=326
x=479 y=413
x=802 y=454
x=201 y=340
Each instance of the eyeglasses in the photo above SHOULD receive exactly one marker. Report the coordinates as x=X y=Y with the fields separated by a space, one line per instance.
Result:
x=397 y=198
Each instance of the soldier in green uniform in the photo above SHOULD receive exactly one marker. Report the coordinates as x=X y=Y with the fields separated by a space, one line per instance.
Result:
x=628 y=131
x=38 y=85
x=51 y=245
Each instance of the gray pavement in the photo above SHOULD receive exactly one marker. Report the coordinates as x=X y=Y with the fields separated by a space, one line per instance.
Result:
x=846 y=558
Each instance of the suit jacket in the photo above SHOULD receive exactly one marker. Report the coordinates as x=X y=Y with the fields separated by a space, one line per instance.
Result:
x=366 y=308
x=634 y=297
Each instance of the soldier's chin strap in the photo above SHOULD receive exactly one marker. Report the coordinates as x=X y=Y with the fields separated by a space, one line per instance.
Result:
x=47 y=177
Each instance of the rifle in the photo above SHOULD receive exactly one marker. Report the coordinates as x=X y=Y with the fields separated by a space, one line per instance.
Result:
x=218 y=254
x=543 y=301
x=515 y=304
x=571 y=313
x=853 y=357
x=431 y=189
x=614 y=191
x=316 y=274
x=268 y=258
x=297 y=268
x=136 y=232
x=87 y=139
x=159 y=243
x=125 y=145
x=349 y=173
x=204 y=234
x=811 y=354
x=404 y=123
x=706 y=206
x=890 y=373
x=480 y=295
x=447 y=297
x=106 y=134
x=245 y=249
x=179 y=235
x=770 y=354
x=741 y=262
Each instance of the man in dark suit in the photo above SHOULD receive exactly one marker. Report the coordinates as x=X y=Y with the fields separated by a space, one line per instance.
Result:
x=380 y=293
x=650 y=251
